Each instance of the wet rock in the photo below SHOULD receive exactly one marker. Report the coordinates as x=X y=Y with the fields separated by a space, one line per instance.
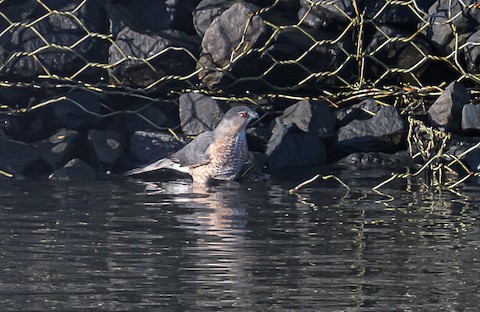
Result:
x=297 y=138
x=395 y=54
x=107 y=147
x=131 y=47
x=471 y=118
x=199 y=113
x=74 y=170
x=446 y=111
x=332 y=13
x=225 y=40
x=17 y=157
x=60 y=148
x=149 y=118
x=60 y=31
x=472 y=53
x=311 y=116
x=469 y=155
x=79 y=111
x=441 y=33
x=147 y=147
x=377 y=159
x=381 y=133
x=294 y=149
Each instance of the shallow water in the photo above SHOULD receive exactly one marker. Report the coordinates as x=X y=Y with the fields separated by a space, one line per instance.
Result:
x=133 y=245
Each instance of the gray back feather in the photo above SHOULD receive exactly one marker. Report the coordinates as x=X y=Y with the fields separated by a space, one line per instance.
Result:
x=195 y=152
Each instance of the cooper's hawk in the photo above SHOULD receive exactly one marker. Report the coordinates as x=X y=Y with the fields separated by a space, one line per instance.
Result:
x=218 y=154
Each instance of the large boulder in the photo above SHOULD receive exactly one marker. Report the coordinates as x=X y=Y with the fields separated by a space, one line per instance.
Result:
x=381 y=133
x=472 y=52
x=147 y=147
x=333 y=14
x=297 y=138
x=59 y=148
x=471 y=118
x=384 y=54
x=450 y=19
x=57 y=45
x=107 y=147
x=446 y=111
x=223 y=59
x=199 y=113
x=75 y=170
x=17 y=157
x=144 y=60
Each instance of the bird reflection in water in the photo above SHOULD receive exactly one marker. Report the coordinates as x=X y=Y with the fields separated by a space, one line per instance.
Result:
x=218 y=268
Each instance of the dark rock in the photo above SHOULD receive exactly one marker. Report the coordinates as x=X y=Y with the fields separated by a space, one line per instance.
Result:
x=16 y=11
x=472 y=53
x=469 y=155
x=222 y=59
x=395 y=54
x=332 y=13
x=303 y=57
x=376 y=159
x=62 y=32
x=106 y=146
x=17 y=157
x=78 y=111
x=310 y=19
x=294 y=149
x=10 y=126
x=361 y=111
x=156 y=16
x=297 y=138
x=446 y=111
x=206 y=11
x=471 y=118
x=381 y=133
x=444 y=16
x=147 y=147
x=74 y=170
x=60 y=148
x=132 y=48
x=395 y=13
x=149 y=118
x=199 y=113
x=314 y=117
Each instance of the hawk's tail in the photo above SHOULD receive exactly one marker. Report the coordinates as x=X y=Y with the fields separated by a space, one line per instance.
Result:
x=162 y=163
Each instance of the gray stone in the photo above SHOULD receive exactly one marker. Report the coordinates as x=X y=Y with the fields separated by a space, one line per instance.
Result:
x=472 y=53
x=74 y=170
x=131 y=48
x=199 y=113
x=225 y=39
x=17 y=157
x=106 y=146
x=471 y=118
x=60 y=148
x=78 y=111
x=381 y=133
x=446 y=111
x=147 y=147
x=332 y=13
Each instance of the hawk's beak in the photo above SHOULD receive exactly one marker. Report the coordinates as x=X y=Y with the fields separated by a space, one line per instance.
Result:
x=253 y=114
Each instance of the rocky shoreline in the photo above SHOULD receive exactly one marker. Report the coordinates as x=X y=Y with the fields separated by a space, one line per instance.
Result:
x=122 y=91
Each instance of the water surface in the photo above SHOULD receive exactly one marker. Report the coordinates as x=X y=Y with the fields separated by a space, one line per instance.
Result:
x=136 y=245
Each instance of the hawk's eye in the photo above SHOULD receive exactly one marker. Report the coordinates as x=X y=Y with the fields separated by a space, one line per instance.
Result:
x=243 y=114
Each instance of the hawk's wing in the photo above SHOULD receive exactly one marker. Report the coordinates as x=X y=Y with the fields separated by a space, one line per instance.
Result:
x=195 y=153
